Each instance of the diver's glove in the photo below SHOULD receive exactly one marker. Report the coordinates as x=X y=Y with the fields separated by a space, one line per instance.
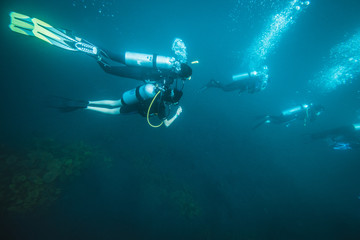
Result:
x=179 y=111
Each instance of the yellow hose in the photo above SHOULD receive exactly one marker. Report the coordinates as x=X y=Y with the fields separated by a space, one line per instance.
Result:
x=148 y=113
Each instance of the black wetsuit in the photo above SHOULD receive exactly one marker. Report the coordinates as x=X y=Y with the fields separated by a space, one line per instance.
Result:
x=161 y=106
x=133 y=72
x=341 y=135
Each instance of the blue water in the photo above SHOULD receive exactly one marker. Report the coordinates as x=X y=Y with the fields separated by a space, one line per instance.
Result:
x=209 y=175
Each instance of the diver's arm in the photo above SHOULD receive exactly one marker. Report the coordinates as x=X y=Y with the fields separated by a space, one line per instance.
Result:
x=211 y=84
x=171 y=120
x=239 y=85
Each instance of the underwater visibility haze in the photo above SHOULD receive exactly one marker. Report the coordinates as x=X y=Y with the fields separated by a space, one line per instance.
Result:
x=239 y=119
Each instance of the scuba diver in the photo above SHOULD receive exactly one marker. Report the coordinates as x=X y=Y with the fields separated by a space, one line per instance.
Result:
x=138 y=66
x=161 y=75
x=306 y=113
x=143 y=100
x=143 y=67
x=341 y=138
x=245 y=82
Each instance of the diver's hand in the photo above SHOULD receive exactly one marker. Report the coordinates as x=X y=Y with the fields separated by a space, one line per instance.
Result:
x=170 y=121
x=179 y=110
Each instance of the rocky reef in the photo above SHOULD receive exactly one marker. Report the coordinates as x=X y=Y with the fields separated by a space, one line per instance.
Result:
x=162 y=189
x=32 y=177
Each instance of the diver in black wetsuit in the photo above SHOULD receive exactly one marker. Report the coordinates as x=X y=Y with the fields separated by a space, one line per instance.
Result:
x=341 y=138
x=305 y=112
x=246 y=82
x=143 y=67
x=145 y=100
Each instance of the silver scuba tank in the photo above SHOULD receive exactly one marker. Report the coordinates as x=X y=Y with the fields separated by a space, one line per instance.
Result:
x=148 y=60
x=291 y=111
x=243 y=76
x=141 y=93
x=240 y=76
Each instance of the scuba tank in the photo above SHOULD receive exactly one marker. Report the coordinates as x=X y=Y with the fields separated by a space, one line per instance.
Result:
x=240 y=76
x=138 y=94
x=243 y=76
x=149 y=60
x=294 y=110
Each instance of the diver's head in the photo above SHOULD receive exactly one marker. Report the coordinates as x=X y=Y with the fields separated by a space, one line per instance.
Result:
x=185 y=71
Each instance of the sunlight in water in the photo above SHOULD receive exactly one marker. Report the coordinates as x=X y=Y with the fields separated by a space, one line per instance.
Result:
x=342 y=67
x=269 y=38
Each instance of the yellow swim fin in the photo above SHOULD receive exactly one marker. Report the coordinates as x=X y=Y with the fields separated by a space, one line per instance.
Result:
x=55 y=36
x=21 y=24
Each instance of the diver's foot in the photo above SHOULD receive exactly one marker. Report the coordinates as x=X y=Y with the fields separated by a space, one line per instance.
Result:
x=86 y=47
x=65 y=104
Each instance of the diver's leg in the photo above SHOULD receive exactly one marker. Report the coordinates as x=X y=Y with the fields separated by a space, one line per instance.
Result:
x=112 y=111
x=264 y=120
x=105 y=106
x=117 y=57
x=123 y=71
x=218 y=84
x=211 y=84
x=108 y=103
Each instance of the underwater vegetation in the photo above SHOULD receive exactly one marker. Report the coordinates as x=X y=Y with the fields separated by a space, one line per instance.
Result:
x=31 y=178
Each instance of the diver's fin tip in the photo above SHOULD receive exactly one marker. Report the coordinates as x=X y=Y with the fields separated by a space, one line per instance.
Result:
x=58 y=37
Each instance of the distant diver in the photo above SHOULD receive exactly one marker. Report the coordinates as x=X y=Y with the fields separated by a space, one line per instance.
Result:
x=341 y=138
x=164 y=77
x=306 y=113
x=251 y=82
